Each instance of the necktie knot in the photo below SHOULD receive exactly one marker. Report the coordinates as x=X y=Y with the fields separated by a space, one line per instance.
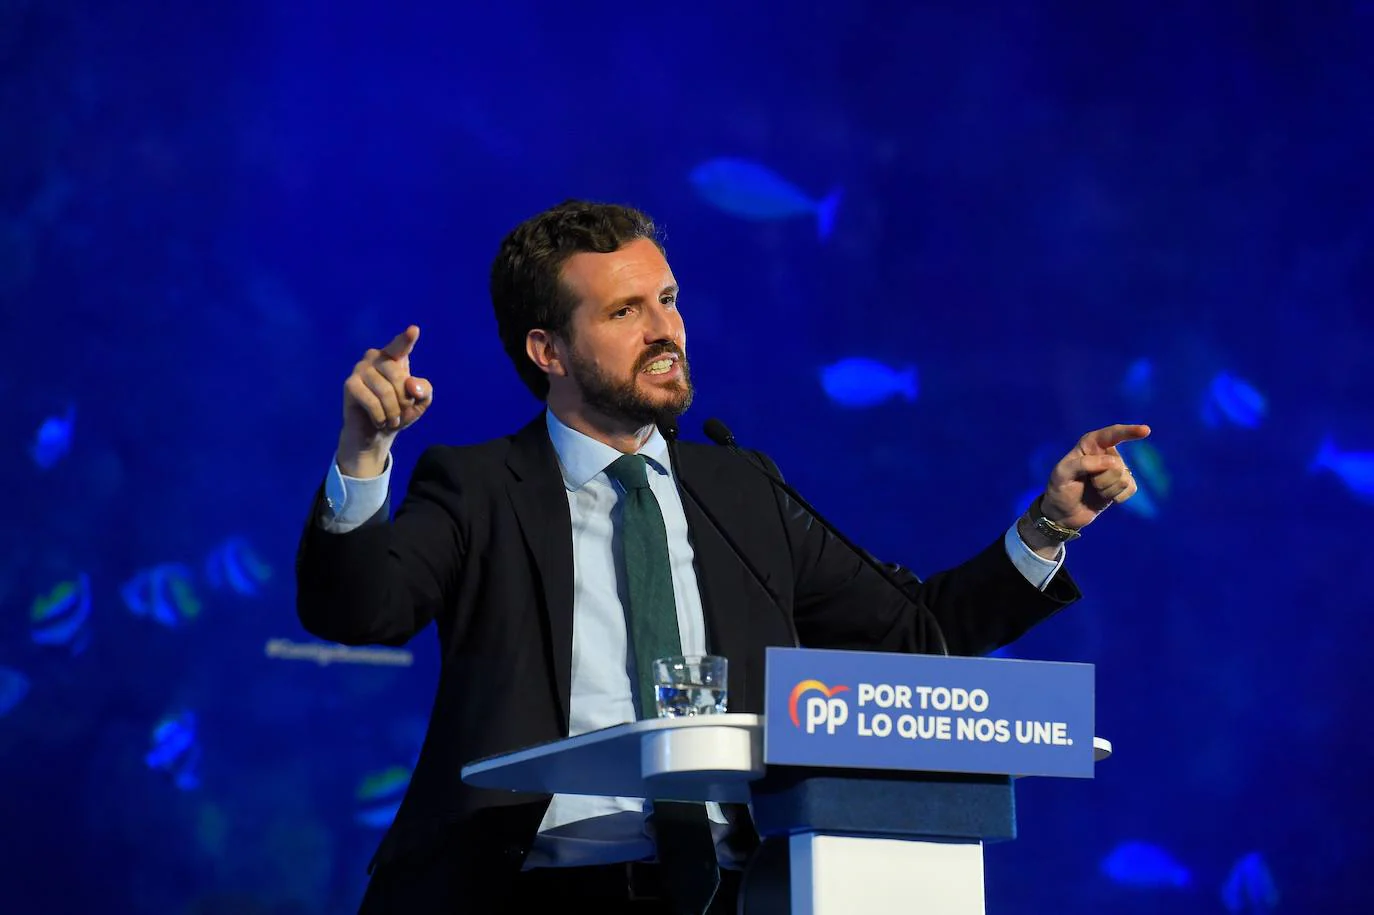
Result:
x=630 y=471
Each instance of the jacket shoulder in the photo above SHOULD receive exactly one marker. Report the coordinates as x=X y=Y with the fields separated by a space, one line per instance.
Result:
x=717 y=459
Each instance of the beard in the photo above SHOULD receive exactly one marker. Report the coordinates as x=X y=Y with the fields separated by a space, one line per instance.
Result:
x=622 y=400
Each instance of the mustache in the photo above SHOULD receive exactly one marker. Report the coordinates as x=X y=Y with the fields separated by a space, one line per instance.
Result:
x=662 y=349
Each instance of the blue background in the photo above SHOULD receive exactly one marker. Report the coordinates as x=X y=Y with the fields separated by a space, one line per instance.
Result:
x=208 y=212
x=1016 y=690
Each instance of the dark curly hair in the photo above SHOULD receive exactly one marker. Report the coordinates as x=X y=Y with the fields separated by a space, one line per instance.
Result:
x=527 y=290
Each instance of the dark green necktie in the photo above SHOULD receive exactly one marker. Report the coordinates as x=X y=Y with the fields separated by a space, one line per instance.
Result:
x=648 y=574
x=682 y=831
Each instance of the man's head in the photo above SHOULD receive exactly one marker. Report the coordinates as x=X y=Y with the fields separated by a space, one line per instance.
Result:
x=585 y=305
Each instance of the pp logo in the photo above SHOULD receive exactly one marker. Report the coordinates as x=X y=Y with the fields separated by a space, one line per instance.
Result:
x=821 y=711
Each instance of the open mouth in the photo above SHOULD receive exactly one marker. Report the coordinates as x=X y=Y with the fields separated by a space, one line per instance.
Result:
x=662 y=365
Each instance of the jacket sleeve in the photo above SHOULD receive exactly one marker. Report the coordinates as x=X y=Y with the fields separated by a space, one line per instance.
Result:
x=977 y=606
x=383 y=582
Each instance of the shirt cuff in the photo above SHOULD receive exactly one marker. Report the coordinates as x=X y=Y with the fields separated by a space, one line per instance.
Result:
x=1038 y=570
x=350 y=501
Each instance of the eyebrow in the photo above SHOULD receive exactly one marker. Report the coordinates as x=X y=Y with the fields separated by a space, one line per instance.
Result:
x=617 y=304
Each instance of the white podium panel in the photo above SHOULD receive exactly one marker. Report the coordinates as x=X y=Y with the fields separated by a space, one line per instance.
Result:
x=843 y=875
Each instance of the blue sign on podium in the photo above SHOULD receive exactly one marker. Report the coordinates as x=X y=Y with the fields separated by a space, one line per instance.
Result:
x=883 y=710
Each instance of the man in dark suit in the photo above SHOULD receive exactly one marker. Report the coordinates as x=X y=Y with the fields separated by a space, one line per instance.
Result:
x=516 y=550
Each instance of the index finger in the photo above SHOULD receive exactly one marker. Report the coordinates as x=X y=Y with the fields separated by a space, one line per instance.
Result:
x=401 y=345
x=1109 y=436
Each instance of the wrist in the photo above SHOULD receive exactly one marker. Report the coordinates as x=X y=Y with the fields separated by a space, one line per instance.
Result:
x=1047 y=529
x=1032 y=537
x=361 y=463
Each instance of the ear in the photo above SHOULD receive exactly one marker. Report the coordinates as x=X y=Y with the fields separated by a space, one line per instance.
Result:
x=544 y=348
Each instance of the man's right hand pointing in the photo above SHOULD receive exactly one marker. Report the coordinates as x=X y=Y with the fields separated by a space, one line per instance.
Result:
x=381 y=398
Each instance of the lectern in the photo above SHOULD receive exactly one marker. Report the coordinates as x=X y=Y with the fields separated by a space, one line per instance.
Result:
x=881 y=775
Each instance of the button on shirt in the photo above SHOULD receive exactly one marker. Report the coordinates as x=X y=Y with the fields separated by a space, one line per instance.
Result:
x=576 y=829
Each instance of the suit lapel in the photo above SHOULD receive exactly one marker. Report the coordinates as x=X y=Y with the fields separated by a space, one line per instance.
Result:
x=541 y=508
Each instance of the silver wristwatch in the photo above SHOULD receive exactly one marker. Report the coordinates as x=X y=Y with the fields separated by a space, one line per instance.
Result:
x=1052 y=531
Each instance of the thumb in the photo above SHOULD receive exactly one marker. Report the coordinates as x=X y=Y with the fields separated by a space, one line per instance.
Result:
x=419 y=389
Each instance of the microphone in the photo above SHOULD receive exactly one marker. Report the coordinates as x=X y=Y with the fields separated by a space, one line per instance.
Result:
x=668 y=429
x=719 y=433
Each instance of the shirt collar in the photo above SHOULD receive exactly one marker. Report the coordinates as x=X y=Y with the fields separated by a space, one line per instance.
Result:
x=581 y=457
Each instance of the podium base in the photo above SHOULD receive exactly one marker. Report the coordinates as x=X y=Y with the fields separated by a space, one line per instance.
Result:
x=840 y=875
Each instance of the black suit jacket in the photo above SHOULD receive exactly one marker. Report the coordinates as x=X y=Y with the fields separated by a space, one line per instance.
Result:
x=482 y=546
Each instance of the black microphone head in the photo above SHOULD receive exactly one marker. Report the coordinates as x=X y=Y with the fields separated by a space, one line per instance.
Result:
x=667 y=427
x=718 y=432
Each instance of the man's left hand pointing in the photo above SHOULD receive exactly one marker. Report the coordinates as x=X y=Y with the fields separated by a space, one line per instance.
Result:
x=1091 y=477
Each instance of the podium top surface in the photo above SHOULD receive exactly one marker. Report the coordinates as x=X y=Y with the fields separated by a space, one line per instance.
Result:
x=702 y=758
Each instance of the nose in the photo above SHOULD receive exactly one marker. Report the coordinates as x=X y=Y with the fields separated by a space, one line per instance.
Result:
x=663 y=324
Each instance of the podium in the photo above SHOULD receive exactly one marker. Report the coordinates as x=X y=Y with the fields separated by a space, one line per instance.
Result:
x=839 y=838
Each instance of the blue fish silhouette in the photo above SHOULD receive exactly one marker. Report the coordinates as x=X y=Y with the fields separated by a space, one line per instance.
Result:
x=61 y=616
x=1355 y=468
x=1138 y=382
x=1143 y=865
x=234 y=564
x=1249 y=888
x=14 y=686
x=1152 y=480
x=1231 y=400
x=176 y=749
x=379 y=797
x=162 y=593
x=753 y=191
x=53 y=439
x=1149 y=464
x=863 y=382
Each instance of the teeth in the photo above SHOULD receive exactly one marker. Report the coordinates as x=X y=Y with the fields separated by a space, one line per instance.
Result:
x=659 y=367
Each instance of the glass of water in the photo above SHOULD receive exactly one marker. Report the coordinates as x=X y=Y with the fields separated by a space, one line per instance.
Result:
x=690 y=685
